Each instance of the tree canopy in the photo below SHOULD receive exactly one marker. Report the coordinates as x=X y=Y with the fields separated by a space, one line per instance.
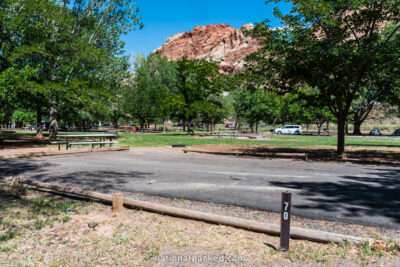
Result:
x=337 y=48
x=59 y=50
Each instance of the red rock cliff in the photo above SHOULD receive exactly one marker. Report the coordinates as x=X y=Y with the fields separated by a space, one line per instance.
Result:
x=218 y=41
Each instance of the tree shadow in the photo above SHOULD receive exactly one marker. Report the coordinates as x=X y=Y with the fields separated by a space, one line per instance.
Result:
x=104 y=180
x=375 y=194
x=93 y=180
x=14 y=167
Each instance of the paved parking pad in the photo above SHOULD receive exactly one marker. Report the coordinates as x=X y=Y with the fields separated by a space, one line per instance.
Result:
x=362 y=194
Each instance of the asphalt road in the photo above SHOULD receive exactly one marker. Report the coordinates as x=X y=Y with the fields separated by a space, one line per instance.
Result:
x=362 y=194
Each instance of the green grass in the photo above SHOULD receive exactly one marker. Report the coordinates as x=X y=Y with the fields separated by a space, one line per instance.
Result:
x=146 y=140
x=167 y=139
x=40 y=212
x=49 y=206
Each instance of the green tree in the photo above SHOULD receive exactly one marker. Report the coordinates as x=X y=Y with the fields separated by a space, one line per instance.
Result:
x=197 y=82
x=66 y=44
x=332 y=46
x=23 y=117
x=383 y=89
x=150 y=89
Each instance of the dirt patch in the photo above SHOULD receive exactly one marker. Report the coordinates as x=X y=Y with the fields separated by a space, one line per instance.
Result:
x=314 y=153
x=26 y=150
x=54 y=231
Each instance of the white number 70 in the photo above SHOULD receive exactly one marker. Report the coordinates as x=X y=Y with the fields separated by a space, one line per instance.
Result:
x=286 y=214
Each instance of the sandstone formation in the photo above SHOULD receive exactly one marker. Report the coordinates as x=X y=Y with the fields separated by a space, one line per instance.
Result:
x=219 y=42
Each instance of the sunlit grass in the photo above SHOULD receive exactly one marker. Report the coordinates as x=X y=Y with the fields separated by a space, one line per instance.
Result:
x=167 y=139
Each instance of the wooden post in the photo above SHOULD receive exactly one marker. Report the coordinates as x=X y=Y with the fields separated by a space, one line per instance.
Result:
x=267 y=228
x=15 y=184
x=285 y=220
x=117 y=202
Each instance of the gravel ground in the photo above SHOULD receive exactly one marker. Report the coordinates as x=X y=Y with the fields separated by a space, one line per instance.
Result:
x=272 y=217
x=264 y=216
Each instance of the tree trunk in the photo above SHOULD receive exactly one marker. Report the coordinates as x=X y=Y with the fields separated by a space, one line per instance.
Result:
x=115 y=123
x=359 y=116
x=188 y=128
x=164 y=126
x=319 y=126
x=252 y=127
x=341 y=131
x=208 y=127
x=319 y=129
x=184 y=125
x=357 y=128
x=256 y=127
x=39 y=126
x=53 y=121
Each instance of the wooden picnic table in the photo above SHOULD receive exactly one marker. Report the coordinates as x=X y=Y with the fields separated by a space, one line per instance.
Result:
x=67 y=139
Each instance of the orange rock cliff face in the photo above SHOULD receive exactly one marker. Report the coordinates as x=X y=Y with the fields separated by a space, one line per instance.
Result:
x=219 y=42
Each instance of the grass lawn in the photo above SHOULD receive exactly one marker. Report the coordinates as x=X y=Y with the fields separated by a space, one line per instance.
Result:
x=140 y=140
x=294 y=142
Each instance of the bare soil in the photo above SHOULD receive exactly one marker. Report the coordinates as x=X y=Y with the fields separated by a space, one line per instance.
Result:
x=25 y=146
x=51 y=236
x=316 y=153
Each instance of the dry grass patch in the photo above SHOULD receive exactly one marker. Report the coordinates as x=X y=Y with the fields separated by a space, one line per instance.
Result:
x=43 y=230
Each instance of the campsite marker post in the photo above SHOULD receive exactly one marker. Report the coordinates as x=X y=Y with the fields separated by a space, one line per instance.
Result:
x=285 y=220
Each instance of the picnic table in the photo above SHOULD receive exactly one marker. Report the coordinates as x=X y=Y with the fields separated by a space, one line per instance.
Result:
x=86 y=139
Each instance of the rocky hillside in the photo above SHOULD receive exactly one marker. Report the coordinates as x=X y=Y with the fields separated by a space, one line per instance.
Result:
x=220 y=42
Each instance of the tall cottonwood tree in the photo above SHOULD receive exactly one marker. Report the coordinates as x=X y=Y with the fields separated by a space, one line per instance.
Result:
x=332 y=46
x=148 y=91
x=197 y=81
x=66 y=43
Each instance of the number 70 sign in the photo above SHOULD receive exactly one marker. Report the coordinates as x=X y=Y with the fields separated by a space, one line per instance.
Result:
x=285 y=220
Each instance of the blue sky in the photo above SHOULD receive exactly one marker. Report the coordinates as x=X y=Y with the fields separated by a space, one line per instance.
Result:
x=163 y=18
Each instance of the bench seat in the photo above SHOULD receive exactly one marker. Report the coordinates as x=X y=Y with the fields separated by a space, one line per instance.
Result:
x=92 y=143
x=69 y=144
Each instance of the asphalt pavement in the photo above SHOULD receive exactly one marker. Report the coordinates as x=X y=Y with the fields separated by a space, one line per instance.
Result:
x=363 y=194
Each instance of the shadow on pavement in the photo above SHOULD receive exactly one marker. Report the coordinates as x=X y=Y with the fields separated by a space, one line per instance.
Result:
x=375 y=194
x=105 y=180
x=14 y=167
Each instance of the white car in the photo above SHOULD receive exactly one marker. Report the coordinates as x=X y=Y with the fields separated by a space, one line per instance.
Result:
x=289 y=129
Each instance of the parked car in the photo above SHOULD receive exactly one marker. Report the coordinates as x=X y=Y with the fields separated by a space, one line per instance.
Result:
x=132 y=124
x=106 y=124
x=289 y=129
x=229 y=125
x=375 y=132
x=396 y=132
